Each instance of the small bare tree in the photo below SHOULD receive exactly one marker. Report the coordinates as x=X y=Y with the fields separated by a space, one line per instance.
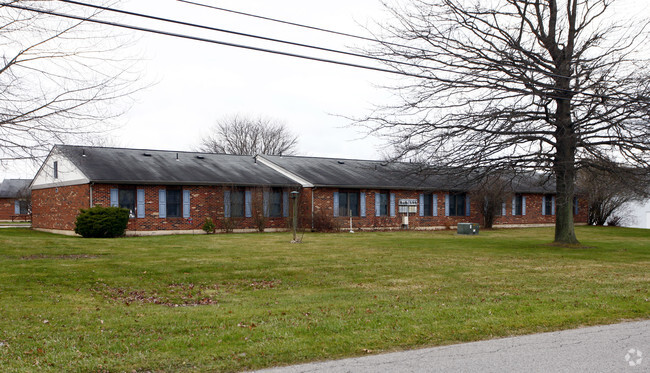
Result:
x=544 y=85
x=248 y=136
x=492 y=191
x=60 y=79
x=608 y=188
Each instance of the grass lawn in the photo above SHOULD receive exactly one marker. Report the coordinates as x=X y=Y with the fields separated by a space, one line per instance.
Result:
x=244 y=301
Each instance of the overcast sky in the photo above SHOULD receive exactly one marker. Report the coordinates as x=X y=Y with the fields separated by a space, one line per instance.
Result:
x=196 y=83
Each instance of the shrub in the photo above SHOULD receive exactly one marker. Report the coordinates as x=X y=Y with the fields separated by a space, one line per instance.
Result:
x=325 y=223
x=102 y=222
x=209 y=226
x=260 y=221
x=229 y=224
x=615 y=221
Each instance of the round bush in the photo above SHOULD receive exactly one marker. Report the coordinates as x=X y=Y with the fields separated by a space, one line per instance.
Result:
x=102 y=222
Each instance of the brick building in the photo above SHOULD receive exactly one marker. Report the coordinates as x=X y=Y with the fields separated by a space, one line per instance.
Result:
x=14 y=199
x=174 y=192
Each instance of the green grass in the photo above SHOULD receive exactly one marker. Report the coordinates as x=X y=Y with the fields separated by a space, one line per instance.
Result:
x=73 y=304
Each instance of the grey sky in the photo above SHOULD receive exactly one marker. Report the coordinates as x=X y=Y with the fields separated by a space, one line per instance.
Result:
x=197 y=83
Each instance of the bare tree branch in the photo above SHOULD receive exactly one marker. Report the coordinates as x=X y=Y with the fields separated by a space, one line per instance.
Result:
x=60 y=80
x=518 y=84
x=249 y=136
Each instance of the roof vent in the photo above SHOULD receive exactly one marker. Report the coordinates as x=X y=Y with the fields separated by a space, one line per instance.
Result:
x=200 y=157
x=147 y=154
x=177 y=157
x=341 y=162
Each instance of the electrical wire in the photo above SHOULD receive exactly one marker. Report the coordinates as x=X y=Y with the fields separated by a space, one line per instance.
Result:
x=301 y=25
x=241 y=46
x=183 y=23
x=212 y=41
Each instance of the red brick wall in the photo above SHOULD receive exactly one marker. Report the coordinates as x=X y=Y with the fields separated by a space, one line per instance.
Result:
x=323 y=202
x=205 y=201
x=57 y=208
x=7 y=208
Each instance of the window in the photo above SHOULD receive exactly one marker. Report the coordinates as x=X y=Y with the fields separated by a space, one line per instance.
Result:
x=237 y=203
x=126 y=200
x=457 y=204
x=549 y=207
x=518 y=203
x=349 y=203
x=23 y=207
x=174 y=203
x=275 y=203
x=56 y=169
x=383 y=203
x=428 y=204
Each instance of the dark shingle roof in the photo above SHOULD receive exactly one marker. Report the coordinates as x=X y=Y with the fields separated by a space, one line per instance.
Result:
x=353 y=173
x=117 y=165
x=14 y=188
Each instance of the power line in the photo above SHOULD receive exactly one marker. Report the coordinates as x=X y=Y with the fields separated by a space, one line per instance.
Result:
x=301 y=25
x=183 y=23
x=212 y=41
x=242 y=46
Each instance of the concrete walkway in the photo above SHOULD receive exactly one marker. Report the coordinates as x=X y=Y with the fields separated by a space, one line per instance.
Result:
x=611 y=348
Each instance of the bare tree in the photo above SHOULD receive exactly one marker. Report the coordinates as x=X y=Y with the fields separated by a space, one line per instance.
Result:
x=60 y=79
x=247 y=136
x=608 y=189
x=492 y=191
x=546 y=85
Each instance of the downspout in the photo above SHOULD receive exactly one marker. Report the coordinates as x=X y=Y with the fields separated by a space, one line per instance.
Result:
x=312 y=208
x=91 y=194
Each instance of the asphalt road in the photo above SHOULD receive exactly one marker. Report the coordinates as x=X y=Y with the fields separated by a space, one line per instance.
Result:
x=611 y=348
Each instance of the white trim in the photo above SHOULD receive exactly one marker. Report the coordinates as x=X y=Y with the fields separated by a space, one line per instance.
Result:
x=69 y=173
x=62 y=184
x=304 y=183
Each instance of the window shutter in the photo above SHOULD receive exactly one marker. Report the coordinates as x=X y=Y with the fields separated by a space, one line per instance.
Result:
x=265 y=203
x=435 y=204
x=248 y=199
x=226 y=203
x=467 y=206
x=523 y=205
x=140 y=203
x=186 y=204
x=392 y=204
x=377 y=205
x=503 y=208
x=17 y=207
x=446 y=204
x=162 y=203
x=114 y=197
x=335 y=199
x=285 y=204
x=544 y=205
x=553 y=205
x=421 y=204
x=362 y=202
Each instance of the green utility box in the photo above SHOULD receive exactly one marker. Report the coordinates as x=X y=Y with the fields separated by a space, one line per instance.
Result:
x=467 y=228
